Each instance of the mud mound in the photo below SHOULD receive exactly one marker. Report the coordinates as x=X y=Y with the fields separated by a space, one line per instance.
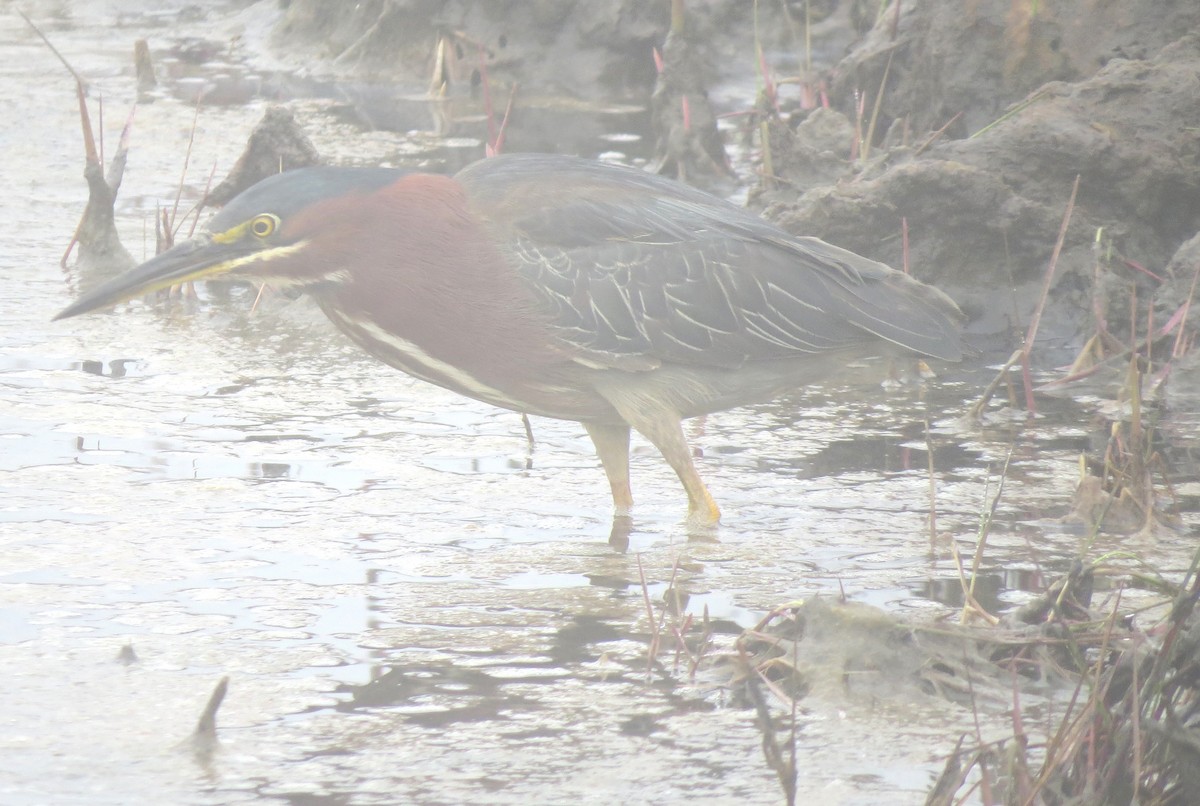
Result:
x=983 y=213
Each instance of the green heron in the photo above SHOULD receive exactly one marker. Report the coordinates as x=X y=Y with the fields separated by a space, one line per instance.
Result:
x=567 y=288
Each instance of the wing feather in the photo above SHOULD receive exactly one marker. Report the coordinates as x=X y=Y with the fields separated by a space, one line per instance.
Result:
x=633 y=270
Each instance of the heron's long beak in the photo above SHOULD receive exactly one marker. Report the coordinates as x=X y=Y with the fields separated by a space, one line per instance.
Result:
x=195 y=259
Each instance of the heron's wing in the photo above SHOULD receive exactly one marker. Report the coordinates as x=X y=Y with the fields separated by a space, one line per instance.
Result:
x=634 y=271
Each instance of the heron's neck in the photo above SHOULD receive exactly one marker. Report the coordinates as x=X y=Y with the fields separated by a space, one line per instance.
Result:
x=428 y=281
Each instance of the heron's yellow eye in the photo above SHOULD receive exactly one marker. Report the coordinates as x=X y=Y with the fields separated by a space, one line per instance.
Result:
x=263 y=225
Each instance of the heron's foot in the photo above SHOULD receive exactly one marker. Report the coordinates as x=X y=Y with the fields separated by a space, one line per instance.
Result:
x=705 y=532
x=703 y=523
x=703 y=512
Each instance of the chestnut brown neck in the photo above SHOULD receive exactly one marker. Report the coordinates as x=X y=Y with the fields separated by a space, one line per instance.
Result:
x=427 y=281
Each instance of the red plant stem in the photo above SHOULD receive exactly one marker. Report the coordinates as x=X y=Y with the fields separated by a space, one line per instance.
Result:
x=1133 y=264
x=929 y=140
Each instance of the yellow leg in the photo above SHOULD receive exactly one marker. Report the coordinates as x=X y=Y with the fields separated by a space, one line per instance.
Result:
x=665 y=431
x=702 y=509
x=612 y=446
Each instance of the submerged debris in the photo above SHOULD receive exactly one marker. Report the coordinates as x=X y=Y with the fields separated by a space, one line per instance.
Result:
x=687 y=145
x=127 y=656
x=204 y=741
x=101 y=252
x=142 y=62
x=277 y=144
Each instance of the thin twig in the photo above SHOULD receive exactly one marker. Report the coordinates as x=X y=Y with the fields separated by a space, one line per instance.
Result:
x=652 y=650
x=931 y=138
x=866 y=151
x=1031 y=334
x=187 y=158
x=1176 y=350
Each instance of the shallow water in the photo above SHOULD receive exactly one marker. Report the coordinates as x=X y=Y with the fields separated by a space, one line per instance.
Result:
x=411 y=603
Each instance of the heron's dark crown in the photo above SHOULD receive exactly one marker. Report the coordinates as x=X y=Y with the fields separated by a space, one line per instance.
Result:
x=288 y=193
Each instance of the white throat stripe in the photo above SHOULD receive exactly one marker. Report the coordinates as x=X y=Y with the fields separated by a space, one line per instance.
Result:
x=415 y=361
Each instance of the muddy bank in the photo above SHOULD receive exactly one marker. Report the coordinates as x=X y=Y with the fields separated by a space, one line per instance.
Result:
x=578 y=48
x=1023 y=96
x=983 y=212
x=977 y=58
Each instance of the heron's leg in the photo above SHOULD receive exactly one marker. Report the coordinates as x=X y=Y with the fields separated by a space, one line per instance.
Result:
x=665 y=431
x=612 y=446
